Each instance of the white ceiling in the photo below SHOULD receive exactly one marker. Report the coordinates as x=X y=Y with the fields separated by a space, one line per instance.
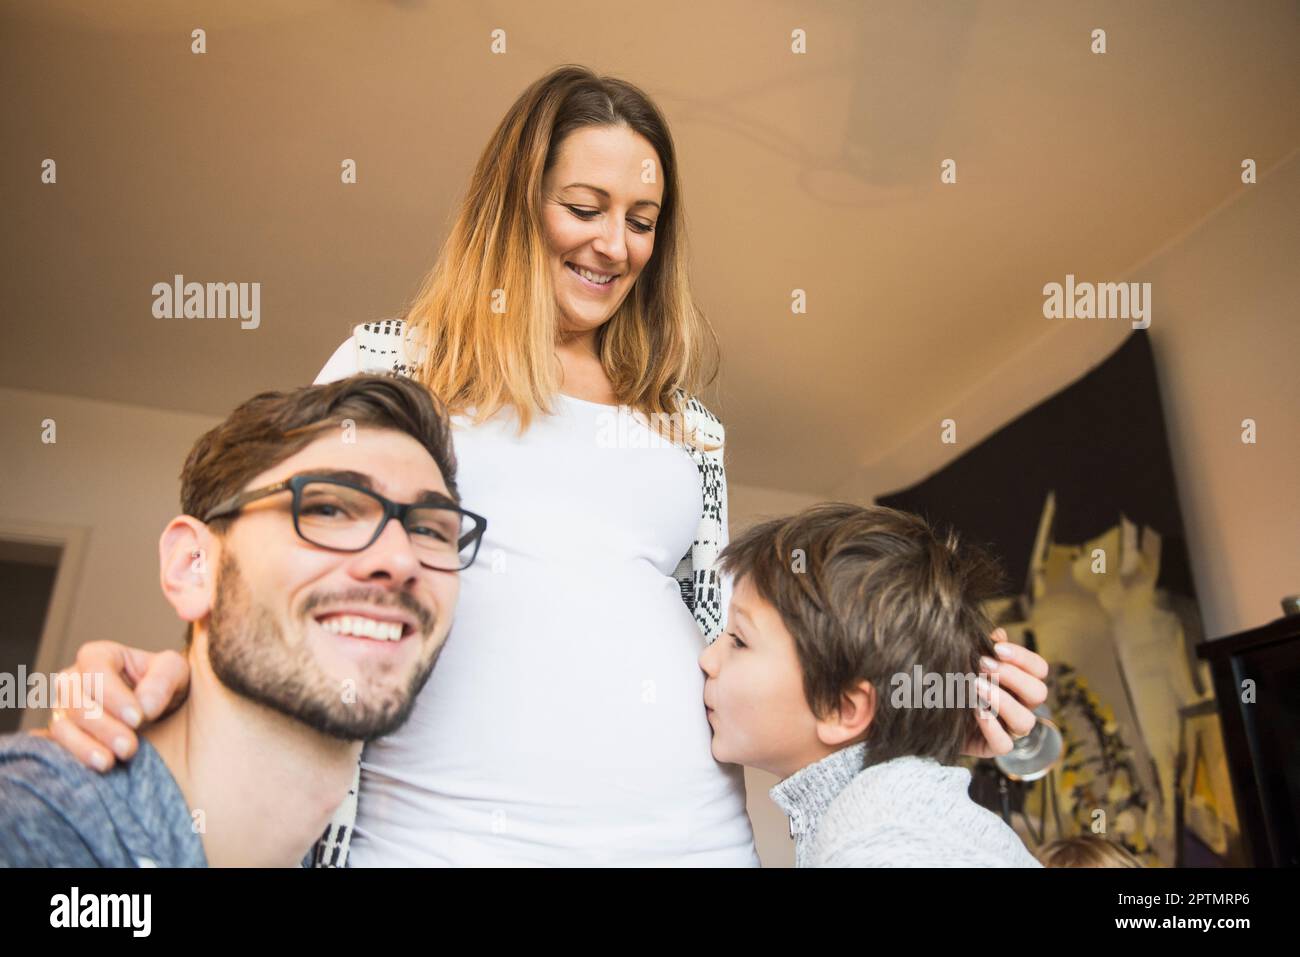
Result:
x=818 y=172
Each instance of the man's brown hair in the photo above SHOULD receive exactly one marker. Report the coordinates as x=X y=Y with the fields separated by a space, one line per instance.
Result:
x=868 y=593
x=272 y=426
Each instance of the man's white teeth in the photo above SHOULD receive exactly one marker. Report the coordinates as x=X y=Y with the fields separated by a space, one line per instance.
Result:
x=588 y=274
x=356 y=626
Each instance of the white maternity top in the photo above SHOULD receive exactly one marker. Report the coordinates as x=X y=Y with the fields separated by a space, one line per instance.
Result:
x=564 y=722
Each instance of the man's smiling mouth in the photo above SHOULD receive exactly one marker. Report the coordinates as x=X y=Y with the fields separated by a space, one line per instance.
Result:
x=360 y=625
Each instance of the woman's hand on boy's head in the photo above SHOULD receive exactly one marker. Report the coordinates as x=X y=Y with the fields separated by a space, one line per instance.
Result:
x=1018 y=690
x=138 y=687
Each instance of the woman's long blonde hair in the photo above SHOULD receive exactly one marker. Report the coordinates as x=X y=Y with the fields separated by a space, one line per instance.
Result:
x=477 y=358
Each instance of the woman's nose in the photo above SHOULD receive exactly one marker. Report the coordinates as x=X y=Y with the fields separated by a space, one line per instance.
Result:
x=610 y=241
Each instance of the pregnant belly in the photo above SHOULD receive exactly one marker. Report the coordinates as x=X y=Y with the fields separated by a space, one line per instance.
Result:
x=558 y=721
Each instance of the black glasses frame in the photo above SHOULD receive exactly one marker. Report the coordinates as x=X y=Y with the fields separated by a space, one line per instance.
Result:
x=392 y=510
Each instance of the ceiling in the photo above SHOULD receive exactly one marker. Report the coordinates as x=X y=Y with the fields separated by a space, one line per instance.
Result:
x=817 y=172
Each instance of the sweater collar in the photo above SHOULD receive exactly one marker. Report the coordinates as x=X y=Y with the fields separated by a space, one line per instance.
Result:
x=804 y=795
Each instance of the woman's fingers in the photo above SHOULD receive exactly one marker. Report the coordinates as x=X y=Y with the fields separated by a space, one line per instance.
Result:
x=1002 y=718
x=1012 y=714
x=83 y=746
x=80 y=703
x=109 y=692
x=1028 y=661
x=1007 y=706
x=105 y=670
x=1021 y=689
x=164 y=683
x=995 y=738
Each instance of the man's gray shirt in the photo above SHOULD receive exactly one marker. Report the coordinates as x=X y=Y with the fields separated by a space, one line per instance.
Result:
x=54 y=812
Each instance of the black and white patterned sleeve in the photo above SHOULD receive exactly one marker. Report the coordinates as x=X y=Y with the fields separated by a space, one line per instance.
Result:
x=709 y=608
x=332 y=848
x=724 y=536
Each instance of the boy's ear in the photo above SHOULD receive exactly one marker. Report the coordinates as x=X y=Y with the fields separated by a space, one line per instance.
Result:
x=856 y=711
x=186 y=552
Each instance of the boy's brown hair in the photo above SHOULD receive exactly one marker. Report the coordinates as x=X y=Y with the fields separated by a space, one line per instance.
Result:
x=272 y=426
x=868 y=593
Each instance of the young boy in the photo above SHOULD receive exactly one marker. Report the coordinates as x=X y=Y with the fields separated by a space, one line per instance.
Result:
x=848 y=669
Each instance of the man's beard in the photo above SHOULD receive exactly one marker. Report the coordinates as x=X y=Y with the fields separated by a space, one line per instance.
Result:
x=250 y=656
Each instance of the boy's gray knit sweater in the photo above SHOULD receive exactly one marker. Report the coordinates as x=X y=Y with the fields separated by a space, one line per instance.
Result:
x=908 y=812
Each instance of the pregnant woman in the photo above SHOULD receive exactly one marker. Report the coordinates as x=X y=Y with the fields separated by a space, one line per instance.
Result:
x=564 y=723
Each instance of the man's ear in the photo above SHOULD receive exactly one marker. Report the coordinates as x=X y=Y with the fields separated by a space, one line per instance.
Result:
x=187 y=553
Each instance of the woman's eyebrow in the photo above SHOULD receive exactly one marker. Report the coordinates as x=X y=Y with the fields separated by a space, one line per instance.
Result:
x=605 y=193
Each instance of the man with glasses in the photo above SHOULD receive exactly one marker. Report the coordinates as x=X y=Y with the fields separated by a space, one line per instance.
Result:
x=317 y=561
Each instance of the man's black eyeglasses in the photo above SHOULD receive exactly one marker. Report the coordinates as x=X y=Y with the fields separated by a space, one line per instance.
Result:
x=347 y=517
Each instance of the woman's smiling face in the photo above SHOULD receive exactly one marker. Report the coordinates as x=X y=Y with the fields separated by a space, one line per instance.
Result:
x=599 y=214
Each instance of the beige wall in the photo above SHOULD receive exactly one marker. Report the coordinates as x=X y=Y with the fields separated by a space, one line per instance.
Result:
x=1225 y=331
x=114 y=471
x=1229 y=349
